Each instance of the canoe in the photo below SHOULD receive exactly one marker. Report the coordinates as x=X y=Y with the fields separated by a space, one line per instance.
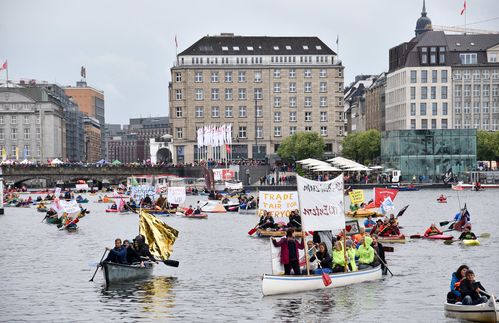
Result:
x=82 y=201
x=467 y=242
x=485 y=312
x=363 y=213
x=112 y=210
x=392 y=239
x=280 y=284
x=231 y=207
x=262 y=233
x=438 y=237
x=196 y=216
x=115 y=273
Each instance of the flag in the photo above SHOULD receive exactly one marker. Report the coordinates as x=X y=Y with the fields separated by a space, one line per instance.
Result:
x=17 y=153
x=227 y=147
x=4 y=154
x=3 y=66
x=83 y=72
x=464 y=8
x=159 y=236
x=387 y=205
x=176 y=42
x=337 y=39
x=448 y=176
x=380 y=194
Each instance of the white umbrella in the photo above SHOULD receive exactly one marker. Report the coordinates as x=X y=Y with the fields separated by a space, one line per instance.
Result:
x=358 y=168
x=25 y=162
x=376 y=167
x=324 y=168
x=56 y=162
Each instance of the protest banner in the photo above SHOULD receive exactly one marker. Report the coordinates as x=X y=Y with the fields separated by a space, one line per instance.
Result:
x=278 y=204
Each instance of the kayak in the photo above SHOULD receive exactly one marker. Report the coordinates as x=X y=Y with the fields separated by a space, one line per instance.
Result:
x=470 y=242
x=197 y=216
x=392 y=239
x=363 y=213
x=442 y=200
x=438 y=237
x=112 y=210
x=485 y=312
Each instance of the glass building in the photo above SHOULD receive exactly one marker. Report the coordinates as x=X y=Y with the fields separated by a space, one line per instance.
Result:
x=429 y=153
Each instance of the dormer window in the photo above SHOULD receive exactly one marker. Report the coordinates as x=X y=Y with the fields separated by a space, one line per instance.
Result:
x=235 y=47
x=468 y=58
x=250 y=47
x=472 y=44
x=225 y=48
x=276 y=47
x=318 y=47
x=305 y=47
x=288 y=47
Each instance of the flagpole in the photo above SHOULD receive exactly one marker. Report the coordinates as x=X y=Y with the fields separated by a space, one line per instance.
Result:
x=7 y=70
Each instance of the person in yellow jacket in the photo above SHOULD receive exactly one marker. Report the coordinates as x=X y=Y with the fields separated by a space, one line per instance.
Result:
x=351 y=251
x=338 y=258
x=365 y=253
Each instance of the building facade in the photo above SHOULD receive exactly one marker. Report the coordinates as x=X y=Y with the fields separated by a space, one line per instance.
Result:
x=92 y=139
x=355 y=107
x=375 y=104
x=268 y=88
x=126 y=149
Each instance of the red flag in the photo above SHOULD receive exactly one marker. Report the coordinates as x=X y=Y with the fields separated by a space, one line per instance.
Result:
x=4 y=66
x=464 y=8
x=227 y=147
x=380 y=194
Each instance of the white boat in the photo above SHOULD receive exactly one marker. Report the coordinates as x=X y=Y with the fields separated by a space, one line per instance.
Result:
x=115 y=273
x=279 y=284
x=485 y=312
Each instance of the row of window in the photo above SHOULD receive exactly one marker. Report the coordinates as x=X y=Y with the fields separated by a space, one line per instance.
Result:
x=424 y=124
x=485 y=124
x=432 y=55
x=25 y=152
x=196 y=60
x=424 y=76
x=477 y=74
x=243 y=131
x=477 y=107
x=14 y=133
x=478 y=90
x=433 y=92
x=14 y=119
x=434 y=109
x=242 y=95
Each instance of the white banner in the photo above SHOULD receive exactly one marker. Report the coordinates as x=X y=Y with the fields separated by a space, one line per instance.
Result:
x=176 y=195
x=57 y=192
x=321 y=204
x=70 y=207
x=141 y=191
x=278 y=204
x=234 y=186
x=82 y=187
x=200 y=135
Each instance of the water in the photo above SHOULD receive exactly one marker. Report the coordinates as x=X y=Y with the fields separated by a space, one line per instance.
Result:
x=45 y=272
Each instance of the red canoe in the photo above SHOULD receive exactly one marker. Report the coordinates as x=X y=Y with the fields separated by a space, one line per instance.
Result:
x=438 y=237
x=111 y=211
x=197 y=216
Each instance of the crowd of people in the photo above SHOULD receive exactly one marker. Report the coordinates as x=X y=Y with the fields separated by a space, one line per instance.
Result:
x=127 y=253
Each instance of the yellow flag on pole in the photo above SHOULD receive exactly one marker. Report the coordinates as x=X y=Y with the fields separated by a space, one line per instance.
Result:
x=17 y=153
x=159 y=236
x=4 y=154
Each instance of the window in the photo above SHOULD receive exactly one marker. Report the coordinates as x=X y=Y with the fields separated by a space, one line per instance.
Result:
x=292 y=73
x=214 y=77
x=434 y=75
x=308 y=116
x=413 y=93
x=292 y=102
x=323 y=101
x=26 y=119
x=178 y=112
x=443 y=76
x=492 y=58
x=413 y=109
x=277 y=73
x=413 y=123
x=308 y=101
x=277 y=102
x=485 y=74
x=424 y=55
x=495 y=90
x=178 y=95
x=228 y=77
x=199 y=112
x=441 y=57
x=466 y=108
x=443 y=92
x=466 y=58
x=424 y=76
x=422 y=109
x=259 y=111
x=323 y=116
x=13 y=119
x=199 y=94
x=38 y=133
x=178 y=77
x=433 y=55
x=277 y=131
x=457 y=75
x=228 y=112
x=476 y=74
x=292 y=116
x=242 y=131
x=308 y=128
x=215 y=112
x=466 y=75
x=308 y=87
x=445 y=108
x=444 y=123
x=433 y=92
x=323 y=72
x=259 y=132
x=242 y=112
x=485 y=107
x=2 y=134
x=215 y=94
x=13 y=133
x=476 y=90
x=241 y=76
x=1 y=120
x=292 y=87
x=258 y=94
x=424 y=93
x=495 y=75
x=277 y=87
x=228 y=94
x=323 y=131
x=467 y=90
x=414 y=76
x=307 y=73
x=323 y=87
x=198 y=77
x=424 y=124
x=434 y=109
x=433 y=123
x=486 y=90
x=242 y=94
x=292 y=130
x=258 y=76
x=277 y=116
x=179 y=133
x=476 y=107
x=458 y=90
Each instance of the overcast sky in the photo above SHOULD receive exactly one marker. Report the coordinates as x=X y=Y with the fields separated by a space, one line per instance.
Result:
x=128 y=46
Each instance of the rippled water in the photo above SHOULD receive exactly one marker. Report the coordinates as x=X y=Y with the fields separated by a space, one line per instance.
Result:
x=44 y=273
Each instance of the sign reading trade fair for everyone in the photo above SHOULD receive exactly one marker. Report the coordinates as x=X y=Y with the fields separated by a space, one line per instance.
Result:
x=278 y=204
x=321 y=204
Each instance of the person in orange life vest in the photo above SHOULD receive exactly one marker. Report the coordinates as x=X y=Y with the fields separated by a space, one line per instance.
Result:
x=357 y=237
x=189 y=211
x=289 y=252
x=457 y=277
x=432 y=230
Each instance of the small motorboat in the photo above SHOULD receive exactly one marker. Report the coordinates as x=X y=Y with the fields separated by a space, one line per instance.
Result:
x=116 y=273
x=485 y=312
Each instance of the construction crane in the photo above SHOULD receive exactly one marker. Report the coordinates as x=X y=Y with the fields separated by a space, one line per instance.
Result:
x=463 y=30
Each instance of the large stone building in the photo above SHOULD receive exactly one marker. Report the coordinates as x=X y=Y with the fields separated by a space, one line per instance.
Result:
x=268 y=88
x=355 y=108
x=93 y=139
x=91 y=103
x=440 y=81
x=375 y=104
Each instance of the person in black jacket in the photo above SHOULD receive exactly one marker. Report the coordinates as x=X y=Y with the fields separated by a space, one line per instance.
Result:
x=266 y=221
x=471 y=289
x=378 y=248
x=295 y=220
x=131 y=254
x=142 y=248
x=326 y=263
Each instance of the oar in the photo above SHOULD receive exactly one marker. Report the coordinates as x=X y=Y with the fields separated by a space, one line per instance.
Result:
x=416 y=236
x=488 y=295
x=92 y=279
x=172 y=263
x=402 y=210
x=384 y=263
x=326 y=279
x=388 y=249
x=46 y=216
x=446 y=222
x=252 y=231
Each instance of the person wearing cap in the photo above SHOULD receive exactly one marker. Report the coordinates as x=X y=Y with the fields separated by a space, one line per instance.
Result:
x=467 y=234
x=369 y=222
x=365 y=253
x=471 y=289
x=378 y=227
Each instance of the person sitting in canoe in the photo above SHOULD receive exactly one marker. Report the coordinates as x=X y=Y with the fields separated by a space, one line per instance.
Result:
x=467 y=234
x=117 y=254
x=365 y=253
x=294 y=220
x=471 y=289
x=198 y=209
x=441 y=198
x=351 y=251
x=339 y=261
x=324 y=259
x=142 y=248
x=312 y=249
x=389 y=229
x=457 y=277
x=189 y=211
x=432 y=231
x=266 y=221
x=354 y=207
x=378 y=249
x=146 y=201
x=377 y=228
x=289 y=252
x=132 y=257
x=369 y=222
x=160 y=202
x=114 y=206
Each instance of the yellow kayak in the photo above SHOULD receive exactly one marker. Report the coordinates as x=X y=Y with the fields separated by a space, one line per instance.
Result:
x=363 y=213
x=467 y=242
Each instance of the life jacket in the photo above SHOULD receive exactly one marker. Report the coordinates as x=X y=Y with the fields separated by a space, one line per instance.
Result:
x=457 y=285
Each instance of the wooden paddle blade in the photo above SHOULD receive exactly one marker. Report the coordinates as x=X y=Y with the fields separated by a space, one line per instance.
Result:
x=449 y=241
x=415 y=236
x=388 y=249
x=444 y=223
x=252 y=231
x=171 y=263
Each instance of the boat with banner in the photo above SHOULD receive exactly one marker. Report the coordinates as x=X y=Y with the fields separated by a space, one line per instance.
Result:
x=115 y=273
x=261 y=233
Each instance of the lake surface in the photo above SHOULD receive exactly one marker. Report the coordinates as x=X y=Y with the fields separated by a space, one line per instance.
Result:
x=44 y=272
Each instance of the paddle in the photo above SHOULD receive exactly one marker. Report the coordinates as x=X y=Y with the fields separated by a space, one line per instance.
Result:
x=92 y=279
x=46 y=216
x=384 y=263
x=402 y=210
x=488 y=295
x=388 y=249
x=326 y=279
x=172 y=263
x=252 y=231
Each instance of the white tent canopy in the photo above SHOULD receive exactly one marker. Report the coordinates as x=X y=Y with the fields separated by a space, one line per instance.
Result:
x=25 y=162
x=347 y=164
x=56 y=161
x=324 y=168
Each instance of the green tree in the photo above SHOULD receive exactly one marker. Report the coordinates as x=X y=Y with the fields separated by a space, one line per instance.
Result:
x=486 y=145
x=300 y=146
x=363 y=147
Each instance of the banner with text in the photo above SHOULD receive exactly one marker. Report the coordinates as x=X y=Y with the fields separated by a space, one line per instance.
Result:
x=321 y=204
x=356 y=196
x=234 y=186
x=176 y=195
x=223 y=174
x=278 y=204
x=141 y=191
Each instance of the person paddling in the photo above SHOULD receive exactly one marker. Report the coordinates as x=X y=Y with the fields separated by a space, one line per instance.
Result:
x=467 y=234
x=369 y=222
x=324 y=258
x=432 y=231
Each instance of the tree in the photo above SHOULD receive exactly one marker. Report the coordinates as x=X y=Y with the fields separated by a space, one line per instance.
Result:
x=300 y=146
x=363 y=147
x=486 y=146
